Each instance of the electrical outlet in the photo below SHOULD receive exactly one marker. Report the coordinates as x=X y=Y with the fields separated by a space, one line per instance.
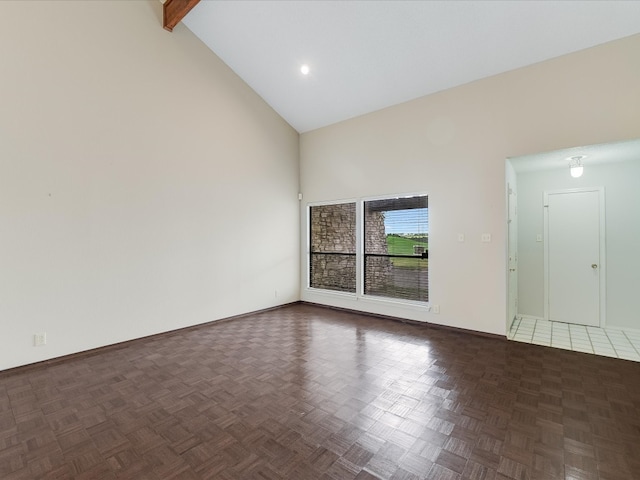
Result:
x=39 y=339
x=485 y=237
x=461 y=237
x=436 y=309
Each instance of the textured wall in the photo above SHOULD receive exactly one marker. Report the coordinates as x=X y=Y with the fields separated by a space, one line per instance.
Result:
x=333 y=230
x=377 y=272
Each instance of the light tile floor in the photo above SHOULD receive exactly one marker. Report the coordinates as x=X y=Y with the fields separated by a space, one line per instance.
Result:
x=608 y=342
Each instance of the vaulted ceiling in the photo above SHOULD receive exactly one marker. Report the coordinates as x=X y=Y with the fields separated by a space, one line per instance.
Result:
x=367 y=55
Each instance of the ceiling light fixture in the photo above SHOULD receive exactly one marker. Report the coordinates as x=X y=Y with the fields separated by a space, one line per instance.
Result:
x=575 y=166
x=305 y=69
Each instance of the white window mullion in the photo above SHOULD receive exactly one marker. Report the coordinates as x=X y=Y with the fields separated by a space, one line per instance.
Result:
x=359 y=248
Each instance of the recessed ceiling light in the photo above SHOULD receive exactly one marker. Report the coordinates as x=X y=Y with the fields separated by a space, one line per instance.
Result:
x=305 y=69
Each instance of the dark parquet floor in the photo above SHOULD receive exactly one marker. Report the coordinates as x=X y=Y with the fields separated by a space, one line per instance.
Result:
x=304 y=392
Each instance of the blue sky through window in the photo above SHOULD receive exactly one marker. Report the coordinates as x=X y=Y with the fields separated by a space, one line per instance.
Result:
x=415 y=220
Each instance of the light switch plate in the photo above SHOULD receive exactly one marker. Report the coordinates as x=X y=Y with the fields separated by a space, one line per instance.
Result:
x=39 y=339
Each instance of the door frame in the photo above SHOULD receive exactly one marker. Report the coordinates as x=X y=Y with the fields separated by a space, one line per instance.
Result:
x=602 y=261
x=512 y=254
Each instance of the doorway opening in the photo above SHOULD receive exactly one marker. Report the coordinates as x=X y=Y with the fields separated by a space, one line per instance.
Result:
x=535 y=295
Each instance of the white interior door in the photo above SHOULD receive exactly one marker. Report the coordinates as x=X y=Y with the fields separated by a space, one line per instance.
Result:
x=574 y=256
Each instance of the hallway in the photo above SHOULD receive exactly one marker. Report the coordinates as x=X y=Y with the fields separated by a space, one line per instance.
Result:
x=608 y=342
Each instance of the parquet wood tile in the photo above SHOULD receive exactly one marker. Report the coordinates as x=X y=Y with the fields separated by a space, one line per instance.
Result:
x=304 y=392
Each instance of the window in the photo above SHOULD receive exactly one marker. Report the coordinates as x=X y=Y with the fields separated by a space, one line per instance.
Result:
x=396 y=246
x=392 y=260
x=333 y=247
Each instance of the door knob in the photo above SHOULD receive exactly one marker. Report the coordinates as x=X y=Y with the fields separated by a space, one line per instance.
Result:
x=594 y=266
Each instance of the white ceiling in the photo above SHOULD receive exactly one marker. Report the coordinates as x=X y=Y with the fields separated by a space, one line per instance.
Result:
x=367 y=55
x=593 y=155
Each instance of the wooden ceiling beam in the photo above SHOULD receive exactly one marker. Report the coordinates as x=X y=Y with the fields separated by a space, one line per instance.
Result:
x=175 y=10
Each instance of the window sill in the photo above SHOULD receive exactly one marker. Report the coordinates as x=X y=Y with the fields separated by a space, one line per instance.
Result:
x=370 y=299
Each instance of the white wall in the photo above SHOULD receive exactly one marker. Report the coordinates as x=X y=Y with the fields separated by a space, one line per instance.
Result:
x=622 y=211
x=453 y=145
x=143 y=186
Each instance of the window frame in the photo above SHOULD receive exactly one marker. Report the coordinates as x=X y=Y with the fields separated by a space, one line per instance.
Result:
x=360 y=252
x=365 y=254
x=309 y=252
